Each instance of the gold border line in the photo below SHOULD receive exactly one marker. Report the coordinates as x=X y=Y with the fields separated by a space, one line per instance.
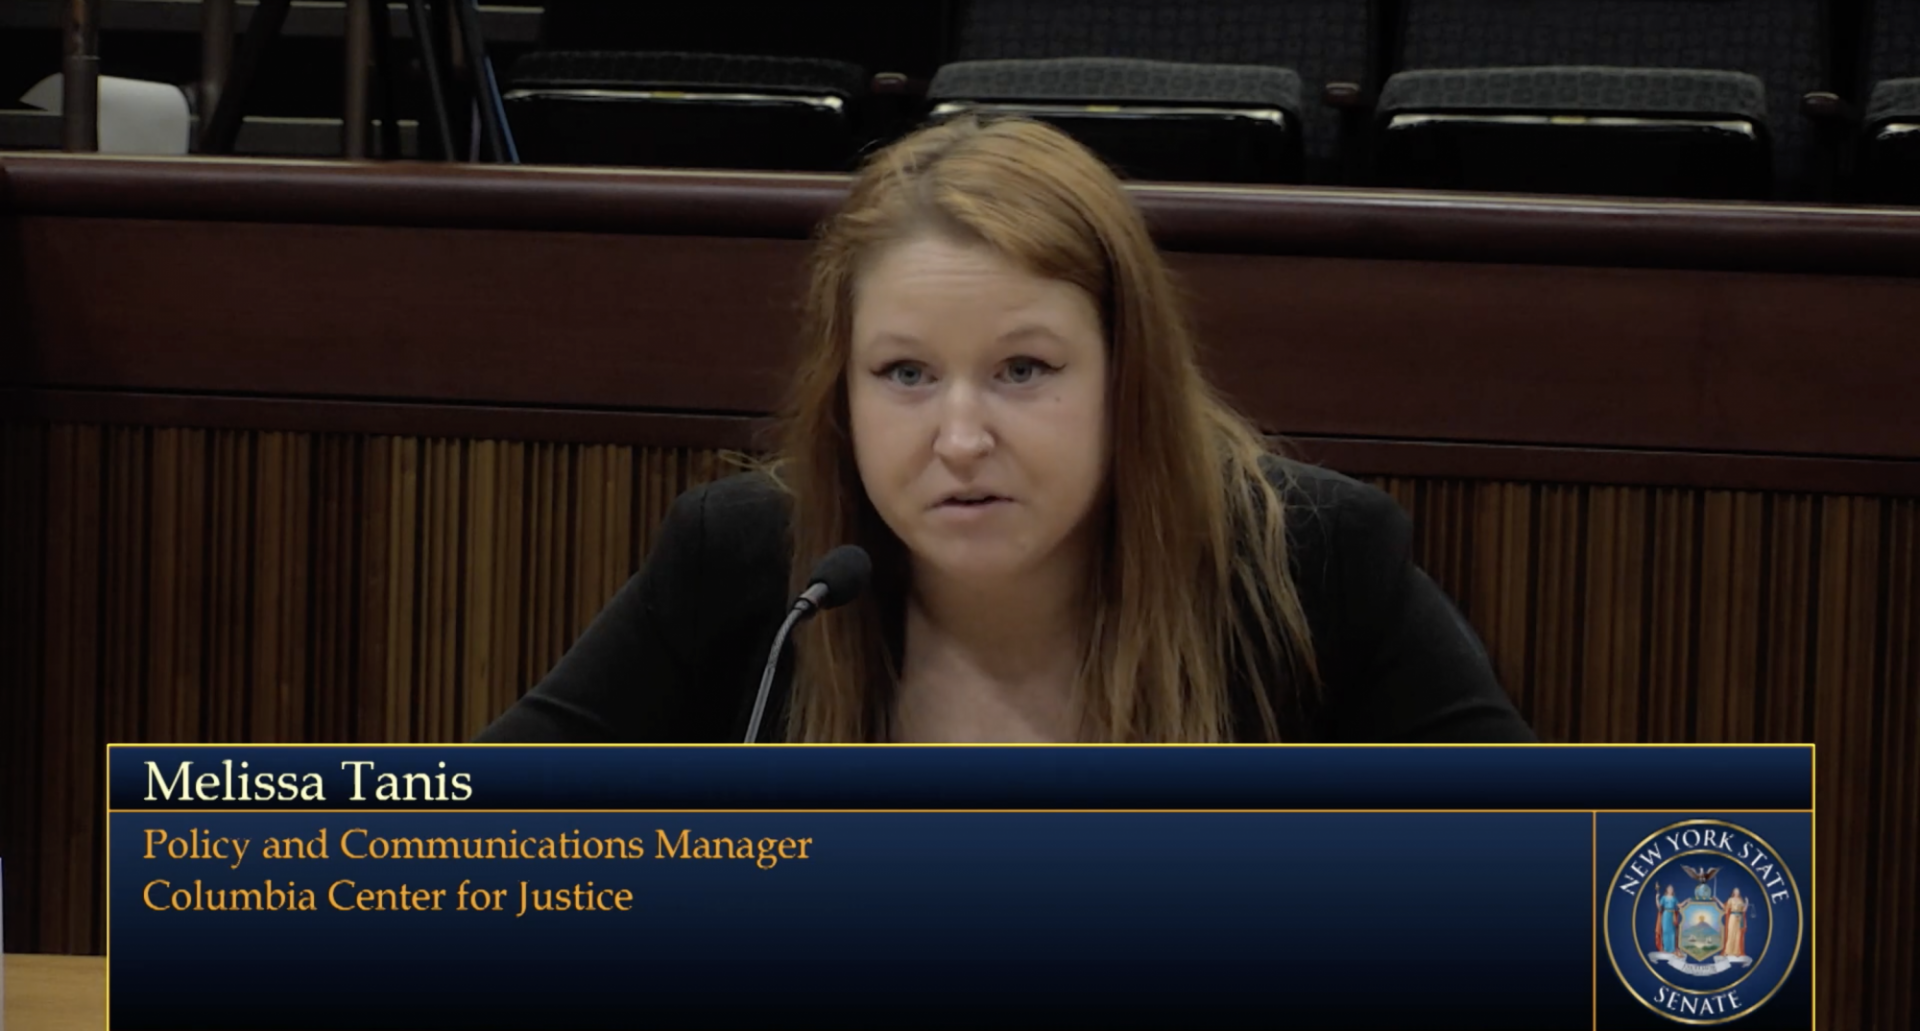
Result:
x=643 y=811
x=1810 y=747
x=106 y=959
x=1593 y=842
x=1009 y=744
x=1593 y=939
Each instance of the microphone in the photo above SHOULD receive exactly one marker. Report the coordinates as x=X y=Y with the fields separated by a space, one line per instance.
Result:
x=837 y=579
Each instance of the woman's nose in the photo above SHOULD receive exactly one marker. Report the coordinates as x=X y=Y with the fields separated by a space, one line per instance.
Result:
x=963 y=434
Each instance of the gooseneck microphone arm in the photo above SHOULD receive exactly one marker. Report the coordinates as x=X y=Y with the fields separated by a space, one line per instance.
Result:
x=801 y=609
x=838 y=579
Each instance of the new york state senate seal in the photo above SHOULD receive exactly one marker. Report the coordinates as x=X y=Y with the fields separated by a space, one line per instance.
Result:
x=1703 y=922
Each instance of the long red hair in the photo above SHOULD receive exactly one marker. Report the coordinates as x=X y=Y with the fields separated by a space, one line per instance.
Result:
x=1191 y=593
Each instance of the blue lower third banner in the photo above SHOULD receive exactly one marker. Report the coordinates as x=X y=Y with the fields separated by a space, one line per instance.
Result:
x=231 y=914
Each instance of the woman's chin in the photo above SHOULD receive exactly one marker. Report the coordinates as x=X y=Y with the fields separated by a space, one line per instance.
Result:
x=974 y=561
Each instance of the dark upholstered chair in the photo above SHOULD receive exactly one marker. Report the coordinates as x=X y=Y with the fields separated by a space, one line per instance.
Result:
x=686 y=110
x=1150 y=119
x=1682 y=98
x=1891 y=152
x=722 y=83
x=1210 y=90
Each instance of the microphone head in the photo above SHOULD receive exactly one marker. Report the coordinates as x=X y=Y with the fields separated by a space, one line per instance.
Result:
x=844 y=573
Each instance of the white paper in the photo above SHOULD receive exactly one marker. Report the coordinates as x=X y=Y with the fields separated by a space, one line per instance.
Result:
x=136 y=117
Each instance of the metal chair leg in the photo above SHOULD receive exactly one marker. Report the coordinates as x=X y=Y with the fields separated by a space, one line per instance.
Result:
x=427 y=40
x=222 y=127
x=356 y=77
x=386 y=62
x=455 y=80
x=80 y=79
x=493 y=113
x=216 y=52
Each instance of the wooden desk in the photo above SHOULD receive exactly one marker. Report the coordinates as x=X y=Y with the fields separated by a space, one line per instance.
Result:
x=56 y=993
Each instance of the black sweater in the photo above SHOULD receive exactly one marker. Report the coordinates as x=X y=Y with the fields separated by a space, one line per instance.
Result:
x=678 y=653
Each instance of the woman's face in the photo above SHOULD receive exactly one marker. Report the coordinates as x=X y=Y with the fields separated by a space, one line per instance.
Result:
x=978 y=394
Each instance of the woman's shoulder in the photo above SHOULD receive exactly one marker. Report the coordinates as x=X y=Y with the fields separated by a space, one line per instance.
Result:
x=1332 y=516
x=714 y=577
x=751 y=496
x=1399 y=660
x=1349 y=550
x=719 y=565
x=1321 y=488
x=739 y=519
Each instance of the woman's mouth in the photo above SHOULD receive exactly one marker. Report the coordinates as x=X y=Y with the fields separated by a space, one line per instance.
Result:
x=971 y=500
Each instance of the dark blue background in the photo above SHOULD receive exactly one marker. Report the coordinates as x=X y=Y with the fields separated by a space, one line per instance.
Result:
x=1019 y=920
x=1789 y=834
x=1074 y=777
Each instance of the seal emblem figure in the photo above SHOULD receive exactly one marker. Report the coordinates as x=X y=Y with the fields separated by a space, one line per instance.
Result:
x=1714 y=951
x=1702 y=929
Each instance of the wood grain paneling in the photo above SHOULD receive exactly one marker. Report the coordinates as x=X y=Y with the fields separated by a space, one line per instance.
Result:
x=25 y=785
x=183 y=585
x=1442 y=459
x=1445 y=351
x=1440 y=226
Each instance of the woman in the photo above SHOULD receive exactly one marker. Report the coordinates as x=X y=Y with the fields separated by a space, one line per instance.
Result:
x=1073 y=537
x=1735 y=939
x=1667 y=930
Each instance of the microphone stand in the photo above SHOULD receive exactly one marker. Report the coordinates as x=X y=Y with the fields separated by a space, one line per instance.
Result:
x=839 y=577
x=806 y=605
x=794 y=616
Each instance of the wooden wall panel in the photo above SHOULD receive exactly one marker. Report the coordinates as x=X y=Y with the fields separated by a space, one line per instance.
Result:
x=25 y=760
x=1439 y=351
x=1895 y=796
x=67 y=845
x=183 y=584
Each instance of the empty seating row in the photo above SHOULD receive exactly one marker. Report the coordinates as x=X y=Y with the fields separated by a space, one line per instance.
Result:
x=1791 y=99
x=1890 y=157
x=1689 y=98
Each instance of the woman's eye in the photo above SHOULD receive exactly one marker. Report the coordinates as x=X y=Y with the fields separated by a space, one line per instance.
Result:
x=906 y=374
x=1026 y=370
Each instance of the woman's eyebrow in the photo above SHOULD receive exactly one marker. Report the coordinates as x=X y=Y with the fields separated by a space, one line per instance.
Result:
x=1030 y=331
x=887 y=339
x=1027 y=331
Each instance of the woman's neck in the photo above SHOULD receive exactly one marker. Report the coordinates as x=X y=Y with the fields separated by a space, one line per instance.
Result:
x=1008 y=631
x=994 y=661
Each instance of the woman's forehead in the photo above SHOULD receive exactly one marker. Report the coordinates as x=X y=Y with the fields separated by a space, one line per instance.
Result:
x=937 y=278
x=933 y=253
